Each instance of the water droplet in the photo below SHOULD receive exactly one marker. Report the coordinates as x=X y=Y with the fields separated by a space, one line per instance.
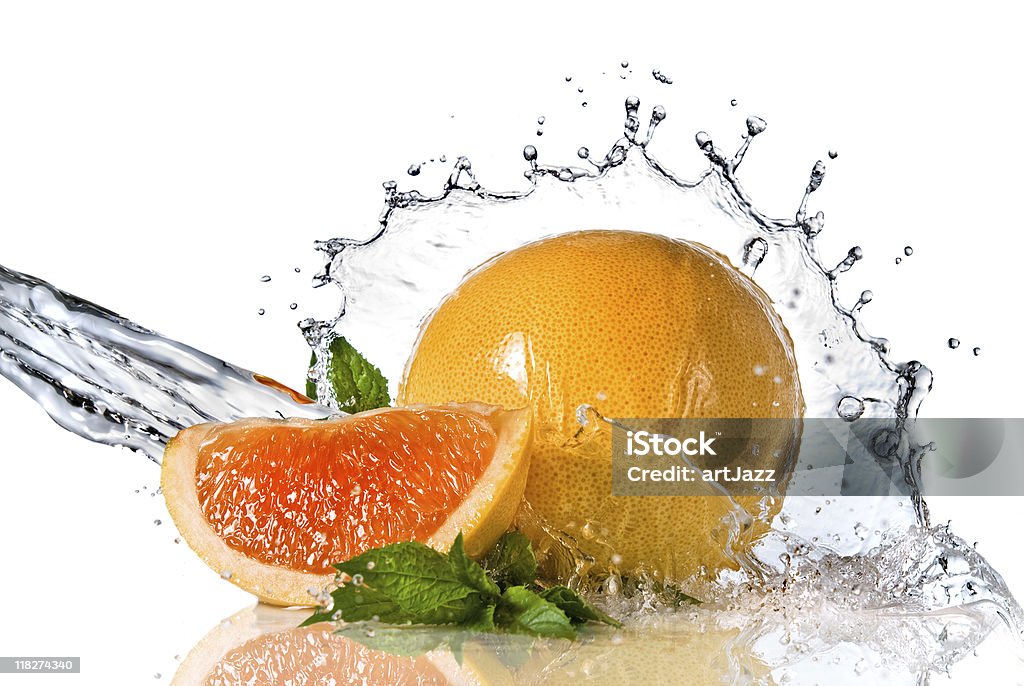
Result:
x=583 y=153
x=568 y=79
x=612 y=584
x=583 y=104
x=756 y=125
x=580 y=89
x=754 y=251
x=817 y=176
x=977 y=351
x=814 y=225
x=734 y=102
x=413 y=170
x=659 y=76
x=899 y=260
x=832 y=154
x=865 y=297
x=529 y=153
x=954 y=343
x=265 y=278
x=357 y=579
x=226 y=575
x=293 y=306
x=850 y=408
x=261 y=312
x=370 y=565
x=856 y=253
x=177 y=541
x=625 y=64
x=540 y=119
x=298 y=270
x=157 y=522
x=540 y=132
x=908 y=251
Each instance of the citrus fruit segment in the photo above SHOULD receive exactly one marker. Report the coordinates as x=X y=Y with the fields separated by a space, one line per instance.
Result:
x=272 y=504
x=637 y=326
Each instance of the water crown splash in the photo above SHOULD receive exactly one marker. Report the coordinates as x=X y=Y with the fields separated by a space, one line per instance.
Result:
x=109 y=380
x=391 y=282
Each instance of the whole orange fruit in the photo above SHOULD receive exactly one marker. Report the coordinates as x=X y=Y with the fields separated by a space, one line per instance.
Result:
x=635 y=325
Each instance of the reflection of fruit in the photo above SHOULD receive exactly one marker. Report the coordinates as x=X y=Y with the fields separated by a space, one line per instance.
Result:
x=271 y=504
x=633 y=324
x=262 y=647
x=683 y=654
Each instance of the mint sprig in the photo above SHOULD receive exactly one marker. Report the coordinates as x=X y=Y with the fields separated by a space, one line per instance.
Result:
x=576 y=608
x=357 y=385
x=511 y=562
x=410 y=583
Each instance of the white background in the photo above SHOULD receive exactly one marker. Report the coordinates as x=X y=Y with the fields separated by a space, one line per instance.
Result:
x=158 y=158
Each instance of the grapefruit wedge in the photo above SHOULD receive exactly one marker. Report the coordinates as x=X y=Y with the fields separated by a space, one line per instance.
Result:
x=272 y=504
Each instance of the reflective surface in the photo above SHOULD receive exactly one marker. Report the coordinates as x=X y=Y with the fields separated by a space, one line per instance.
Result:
x=262 y=646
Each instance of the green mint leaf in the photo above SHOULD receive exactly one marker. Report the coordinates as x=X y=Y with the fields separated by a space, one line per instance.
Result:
x=576 y=608
x=484 y=621
x=681 y=598
x=410 y=583
x=471 y=573
x=670 y=593
x=418 y=579
x=403 y=582
x=358 y=385
x=522 y=611
x=512 y=562
x=359 y=604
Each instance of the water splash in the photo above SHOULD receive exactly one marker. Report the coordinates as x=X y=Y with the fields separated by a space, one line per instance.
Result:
x=425 y=244
x=109 y=380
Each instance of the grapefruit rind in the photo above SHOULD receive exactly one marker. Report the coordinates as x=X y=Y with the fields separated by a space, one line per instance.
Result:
x=483 y=516
x=490 y=508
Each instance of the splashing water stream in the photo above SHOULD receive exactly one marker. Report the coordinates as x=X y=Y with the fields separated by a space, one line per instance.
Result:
x=111 y=381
